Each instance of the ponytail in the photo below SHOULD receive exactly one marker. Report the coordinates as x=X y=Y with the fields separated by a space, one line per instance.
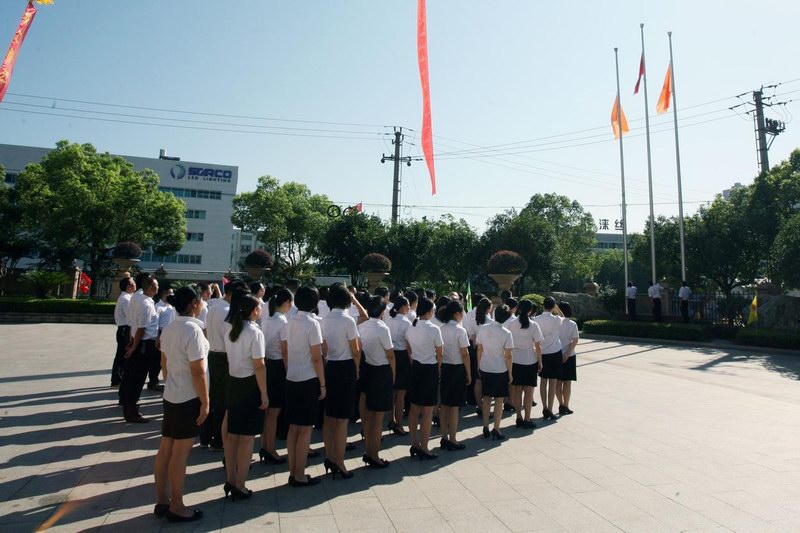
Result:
x=278 y=299
x=236 y=297
x=247 y=305
x=450 y=311
x=525 y=309
x=423 y=308
x=481 y=309
x=397 y=304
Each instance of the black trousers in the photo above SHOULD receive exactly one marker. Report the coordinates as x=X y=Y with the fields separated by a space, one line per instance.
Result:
x=134 y=375
x=685 y=311
x=123 y=332
x=632 y=308
x=218 y=383
x=154 y=366
x=657 y=309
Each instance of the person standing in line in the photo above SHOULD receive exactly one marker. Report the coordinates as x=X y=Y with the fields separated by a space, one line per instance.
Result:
x=258 y=290
x=205 y=290
x=568 y=334
x=456 y=373
x=526 y=362
x=301 y=344
x=654 y=292
x=684 y=293
x=166 y=314
x=272 y=325
x=127 y=287
x=630 y=294
x=495 y=346
x=184 y=350
x=293 y=285
x=482 y=311
x=141 y=349
x=247 y=392
x=342 y=354
x=552 y=358
x=413 y=301
x=398 y=327
x=425 y=344
x=323 y=309
x=378 y=375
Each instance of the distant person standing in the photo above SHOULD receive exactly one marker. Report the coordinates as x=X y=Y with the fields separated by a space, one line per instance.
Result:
x=654 y=292
x=552 y=362
x=684 y=293
x=141 y=348
x=127 y=287
x=630 y=294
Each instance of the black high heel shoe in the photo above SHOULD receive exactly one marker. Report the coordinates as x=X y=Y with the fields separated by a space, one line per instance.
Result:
x=336 y=469
x=237 y=494
x=496 y=435
x=452 y=446
x=397 y=429
x=423 y=455
x=444 y=443
x=196 y=515
x=226 y=488
x=307 y=483
x=486 y=432
x=161 y=510
x=374 y=463
x=435 y=421
x=267 y=457
x=413 y=451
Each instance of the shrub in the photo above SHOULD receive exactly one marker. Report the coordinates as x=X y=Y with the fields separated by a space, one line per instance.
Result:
x=537 y=299
x=126 y=250
x=59 y=306
x=258 y=259
x=43 y=282
x=506 y=262
x=770 y=338
x=647 y=330
x=375 y=262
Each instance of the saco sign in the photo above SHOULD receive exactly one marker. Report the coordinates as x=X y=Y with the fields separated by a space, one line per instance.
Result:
x=201 y=173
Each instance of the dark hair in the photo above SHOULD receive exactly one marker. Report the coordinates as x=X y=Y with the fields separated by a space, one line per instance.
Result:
x=306 y=298
x=204 y=286
x=232 y=284
x=424 y=307
x=293 y=284
x=505 y=295
x=323 y=293
x=549 y=303
x=412 y=297
x=141 y=277
x=630 y=284
x=512 y=303
x=247 y=305
x=236 y=295
x=278 y=299
x=525 y=308
x=124 y=283
x=566 y=309
x=481 y=309
x=376 y=307
x=161 y=290
x=184 y=297
x=382 y=291
x=441 y=305
x=339 y=297
x=398 y=303
x=148 y=282
x=397 y=291
x=256 y=286
x=476 y=298
x=363 y=298
x=430 y=294
x=450 y=310
x=502 y=313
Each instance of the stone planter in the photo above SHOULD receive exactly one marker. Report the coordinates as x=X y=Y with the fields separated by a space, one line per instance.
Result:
x=504 y=283
x=255 y=272
x=124 y=265
x=374 y=279
x=591 y=288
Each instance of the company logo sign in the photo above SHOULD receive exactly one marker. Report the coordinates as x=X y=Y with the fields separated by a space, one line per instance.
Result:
x=201 y=174
x=178 y=172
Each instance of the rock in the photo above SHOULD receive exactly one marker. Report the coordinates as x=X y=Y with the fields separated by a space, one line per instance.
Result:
x=779 y=312
x=584 y=306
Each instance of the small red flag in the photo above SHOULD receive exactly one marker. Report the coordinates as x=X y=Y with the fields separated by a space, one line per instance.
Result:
x=7 y=67
x=85 y=283
x=359 y=207
x=641 y=75
x=422 y=57
x=666 y=93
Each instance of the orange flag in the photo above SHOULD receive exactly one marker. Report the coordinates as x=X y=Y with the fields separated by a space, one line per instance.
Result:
x=7 y=68
x=666 y=93
x=615 y=121
x=422 y=57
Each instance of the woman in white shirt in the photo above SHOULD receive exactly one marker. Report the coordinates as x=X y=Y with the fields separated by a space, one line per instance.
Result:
x=495 y=345
x=183 y=363
x=569 y=340
x=552 y=358
x=425 y=343
x=456 y=374
x=272 y=326
x=526 y=362
x=481 y=316
x=377 y=377
x=342 y=357
x=399 y=323
x=305 y=382
x=247 y=390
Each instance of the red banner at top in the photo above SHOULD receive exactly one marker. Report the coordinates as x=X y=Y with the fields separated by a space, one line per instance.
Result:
x=422 y=56
x=11 y=56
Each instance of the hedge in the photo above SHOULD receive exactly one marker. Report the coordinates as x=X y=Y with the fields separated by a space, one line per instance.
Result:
x=647 y=330
x=769 y=338
x=57 y=306
x=538 y=299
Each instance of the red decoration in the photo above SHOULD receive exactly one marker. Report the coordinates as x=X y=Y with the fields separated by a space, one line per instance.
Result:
x=7 y=68
x=422 y=56
x=84 y=284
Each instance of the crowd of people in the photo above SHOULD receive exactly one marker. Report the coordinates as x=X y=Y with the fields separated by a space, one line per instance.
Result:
x=247 y=361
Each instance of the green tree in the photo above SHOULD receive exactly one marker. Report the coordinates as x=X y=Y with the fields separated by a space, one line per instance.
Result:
x=668 y=249
x=786 y=253
x=453 y=252
x=348 y=239
x=14 y=242
x=77 y=203
x=408 y=245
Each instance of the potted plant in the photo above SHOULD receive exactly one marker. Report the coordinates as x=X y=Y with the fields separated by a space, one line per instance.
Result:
x=257 y=262
x=505 y=267
x=375 y=267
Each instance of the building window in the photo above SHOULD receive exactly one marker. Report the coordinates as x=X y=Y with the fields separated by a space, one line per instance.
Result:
x=245 y=249
x=247 y=237
x=11 y=178
x=186 y=259
x=194 y=236
x=196 y=213
x=192 y=193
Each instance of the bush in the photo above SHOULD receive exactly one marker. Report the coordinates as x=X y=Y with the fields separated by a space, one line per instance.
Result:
x=769 y=338
x=258 y=259
x=58 y=306
x=537 y=299
x=647 y=330
x=43 y=282
x=722 y=331
x=506 y=262
x=375 y=262
x=126 y=250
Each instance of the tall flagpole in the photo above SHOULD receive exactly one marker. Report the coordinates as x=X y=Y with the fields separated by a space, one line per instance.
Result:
x=649 y=167
x=677 y=160
x=622 y=179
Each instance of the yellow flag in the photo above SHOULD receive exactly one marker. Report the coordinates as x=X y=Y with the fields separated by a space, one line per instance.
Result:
x=753 y=311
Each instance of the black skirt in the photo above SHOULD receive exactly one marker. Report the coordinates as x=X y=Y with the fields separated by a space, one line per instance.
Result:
x=494 y=384
x=453 y=390
x=424 y=387
x=524 y=375
x=361 y=385
x=276 y=383
x=378 y=385
x=340 y=381
x=551 y=366
x=302 y=402
x=245 y=416
x=180 y=419
x=568 y=370
x=217 y=378
x=402 y=369
x=473 y=362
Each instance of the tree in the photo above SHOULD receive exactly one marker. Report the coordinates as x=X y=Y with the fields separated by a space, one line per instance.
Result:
x=348 y=239
x=408 y=245
x=786 y=253
x=668 y=249
x=14 y=242
x=454 y=249
x=77 y=203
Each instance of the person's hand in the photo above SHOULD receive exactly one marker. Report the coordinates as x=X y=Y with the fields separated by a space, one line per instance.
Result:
x=322 y=392
x=264 y=402
x=158 y=343
x=469 y=379
x=510 y=378
x=565 y=358
x=539 y=364
x=204 y=409
x=128 y=352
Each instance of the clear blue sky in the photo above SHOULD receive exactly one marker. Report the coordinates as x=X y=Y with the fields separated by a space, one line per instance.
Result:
x=501 y=72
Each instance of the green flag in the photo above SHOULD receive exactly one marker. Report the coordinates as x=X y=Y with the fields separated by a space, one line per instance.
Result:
x=468 y=303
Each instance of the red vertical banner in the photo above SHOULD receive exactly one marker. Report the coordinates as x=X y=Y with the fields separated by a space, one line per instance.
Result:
x=422 y=56
x=11 y=56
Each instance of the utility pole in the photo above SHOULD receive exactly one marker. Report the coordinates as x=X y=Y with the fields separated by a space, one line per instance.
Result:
x=397 y=159
x=764 y=126
x=761 y=131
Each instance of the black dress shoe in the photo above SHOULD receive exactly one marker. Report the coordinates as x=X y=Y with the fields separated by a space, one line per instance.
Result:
x=528 y=424
x=161 y=510
x=307 y=483
x=138 y=419
x=159 y=388
x=350 y=446
x=196 y=515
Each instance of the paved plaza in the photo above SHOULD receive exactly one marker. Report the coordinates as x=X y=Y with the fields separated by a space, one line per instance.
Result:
x=662 y=439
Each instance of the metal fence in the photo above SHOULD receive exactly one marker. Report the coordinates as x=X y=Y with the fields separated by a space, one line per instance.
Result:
x=715 y=306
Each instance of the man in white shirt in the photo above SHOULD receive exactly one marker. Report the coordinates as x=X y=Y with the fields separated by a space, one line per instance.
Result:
x=684 y=293
x=166 y=314
x=141 y=348
x=630 y=294
x=654 y=292
x=127 y=287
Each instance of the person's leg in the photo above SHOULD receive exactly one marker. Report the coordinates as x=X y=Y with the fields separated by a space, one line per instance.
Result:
x=552 y=384
x=271 y=421
x=559 y=388
x=498 y=413
x=486 y=403
x=444 y=421
x=161 y=470
x=478 y=390
x=425 y=429
x=516 y=399
x=244 y=454
x=301 y=451
x=177 y=475
x=291 y=448
x=339 y=441
x=543 y=393
x=119 y=355
x=527 y=401
x=231 y=452
x=377 y=425
x=413 y=424
x=362 y=407
x=452 y=424
x=153 y=367
x=399 y=406
x=566 y=392
x=329 y=438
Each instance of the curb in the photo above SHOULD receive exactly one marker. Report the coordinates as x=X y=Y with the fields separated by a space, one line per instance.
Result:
x=716 y=344
x=55 y=318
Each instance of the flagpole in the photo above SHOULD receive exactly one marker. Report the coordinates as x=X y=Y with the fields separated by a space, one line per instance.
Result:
x=622 y=178
x=649 y=167
x=677 y=160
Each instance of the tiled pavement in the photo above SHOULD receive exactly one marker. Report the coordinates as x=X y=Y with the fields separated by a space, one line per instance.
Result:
x=662 y=439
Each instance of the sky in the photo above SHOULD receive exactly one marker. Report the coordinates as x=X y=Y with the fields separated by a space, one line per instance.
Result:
x=310 y=91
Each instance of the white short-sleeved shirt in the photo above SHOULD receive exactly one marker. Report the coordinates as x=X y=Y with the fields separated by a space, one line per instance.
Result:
x=323 y=309
x=182 y=342
x=121 y=308
x=654 y=291
x=436 y=322
x=454 y=337
x=301 y=333
x=145 y=316
x=203 y=316
x=376 y=339
x=131 y=309
x=412 y=315
x=568 y=331
x=166 y=314
x=471 y=324
x=293 y=310
x=249 y=346
x=524 y=351
x=272 y=327
x=630 y=292
x=338 y=329
x=495 y=339
x=684 y=293
x=550 y=325
x=215 y=325
x=398 y=326
x=423 y=339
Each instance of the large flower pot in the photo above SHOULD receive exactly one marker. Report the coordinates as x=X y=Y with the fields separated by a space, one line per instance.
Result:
x=374 y=279
x=124 y=265
x=255 y=272
x=504 y=283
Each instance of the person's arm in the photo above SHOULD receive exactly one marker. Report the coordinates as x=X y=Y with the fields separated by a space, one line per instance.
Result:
x=465 y=359
x=200 y=382
x=285 y=353
x=316 y=360
x=439 y=356
x=164 y=365
x=507 y=353
x=392 y=364
x=134 y=344
x=355 y=351
x=261 y=377
x=538 y=347
x=362 y=313
x=480 y=354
